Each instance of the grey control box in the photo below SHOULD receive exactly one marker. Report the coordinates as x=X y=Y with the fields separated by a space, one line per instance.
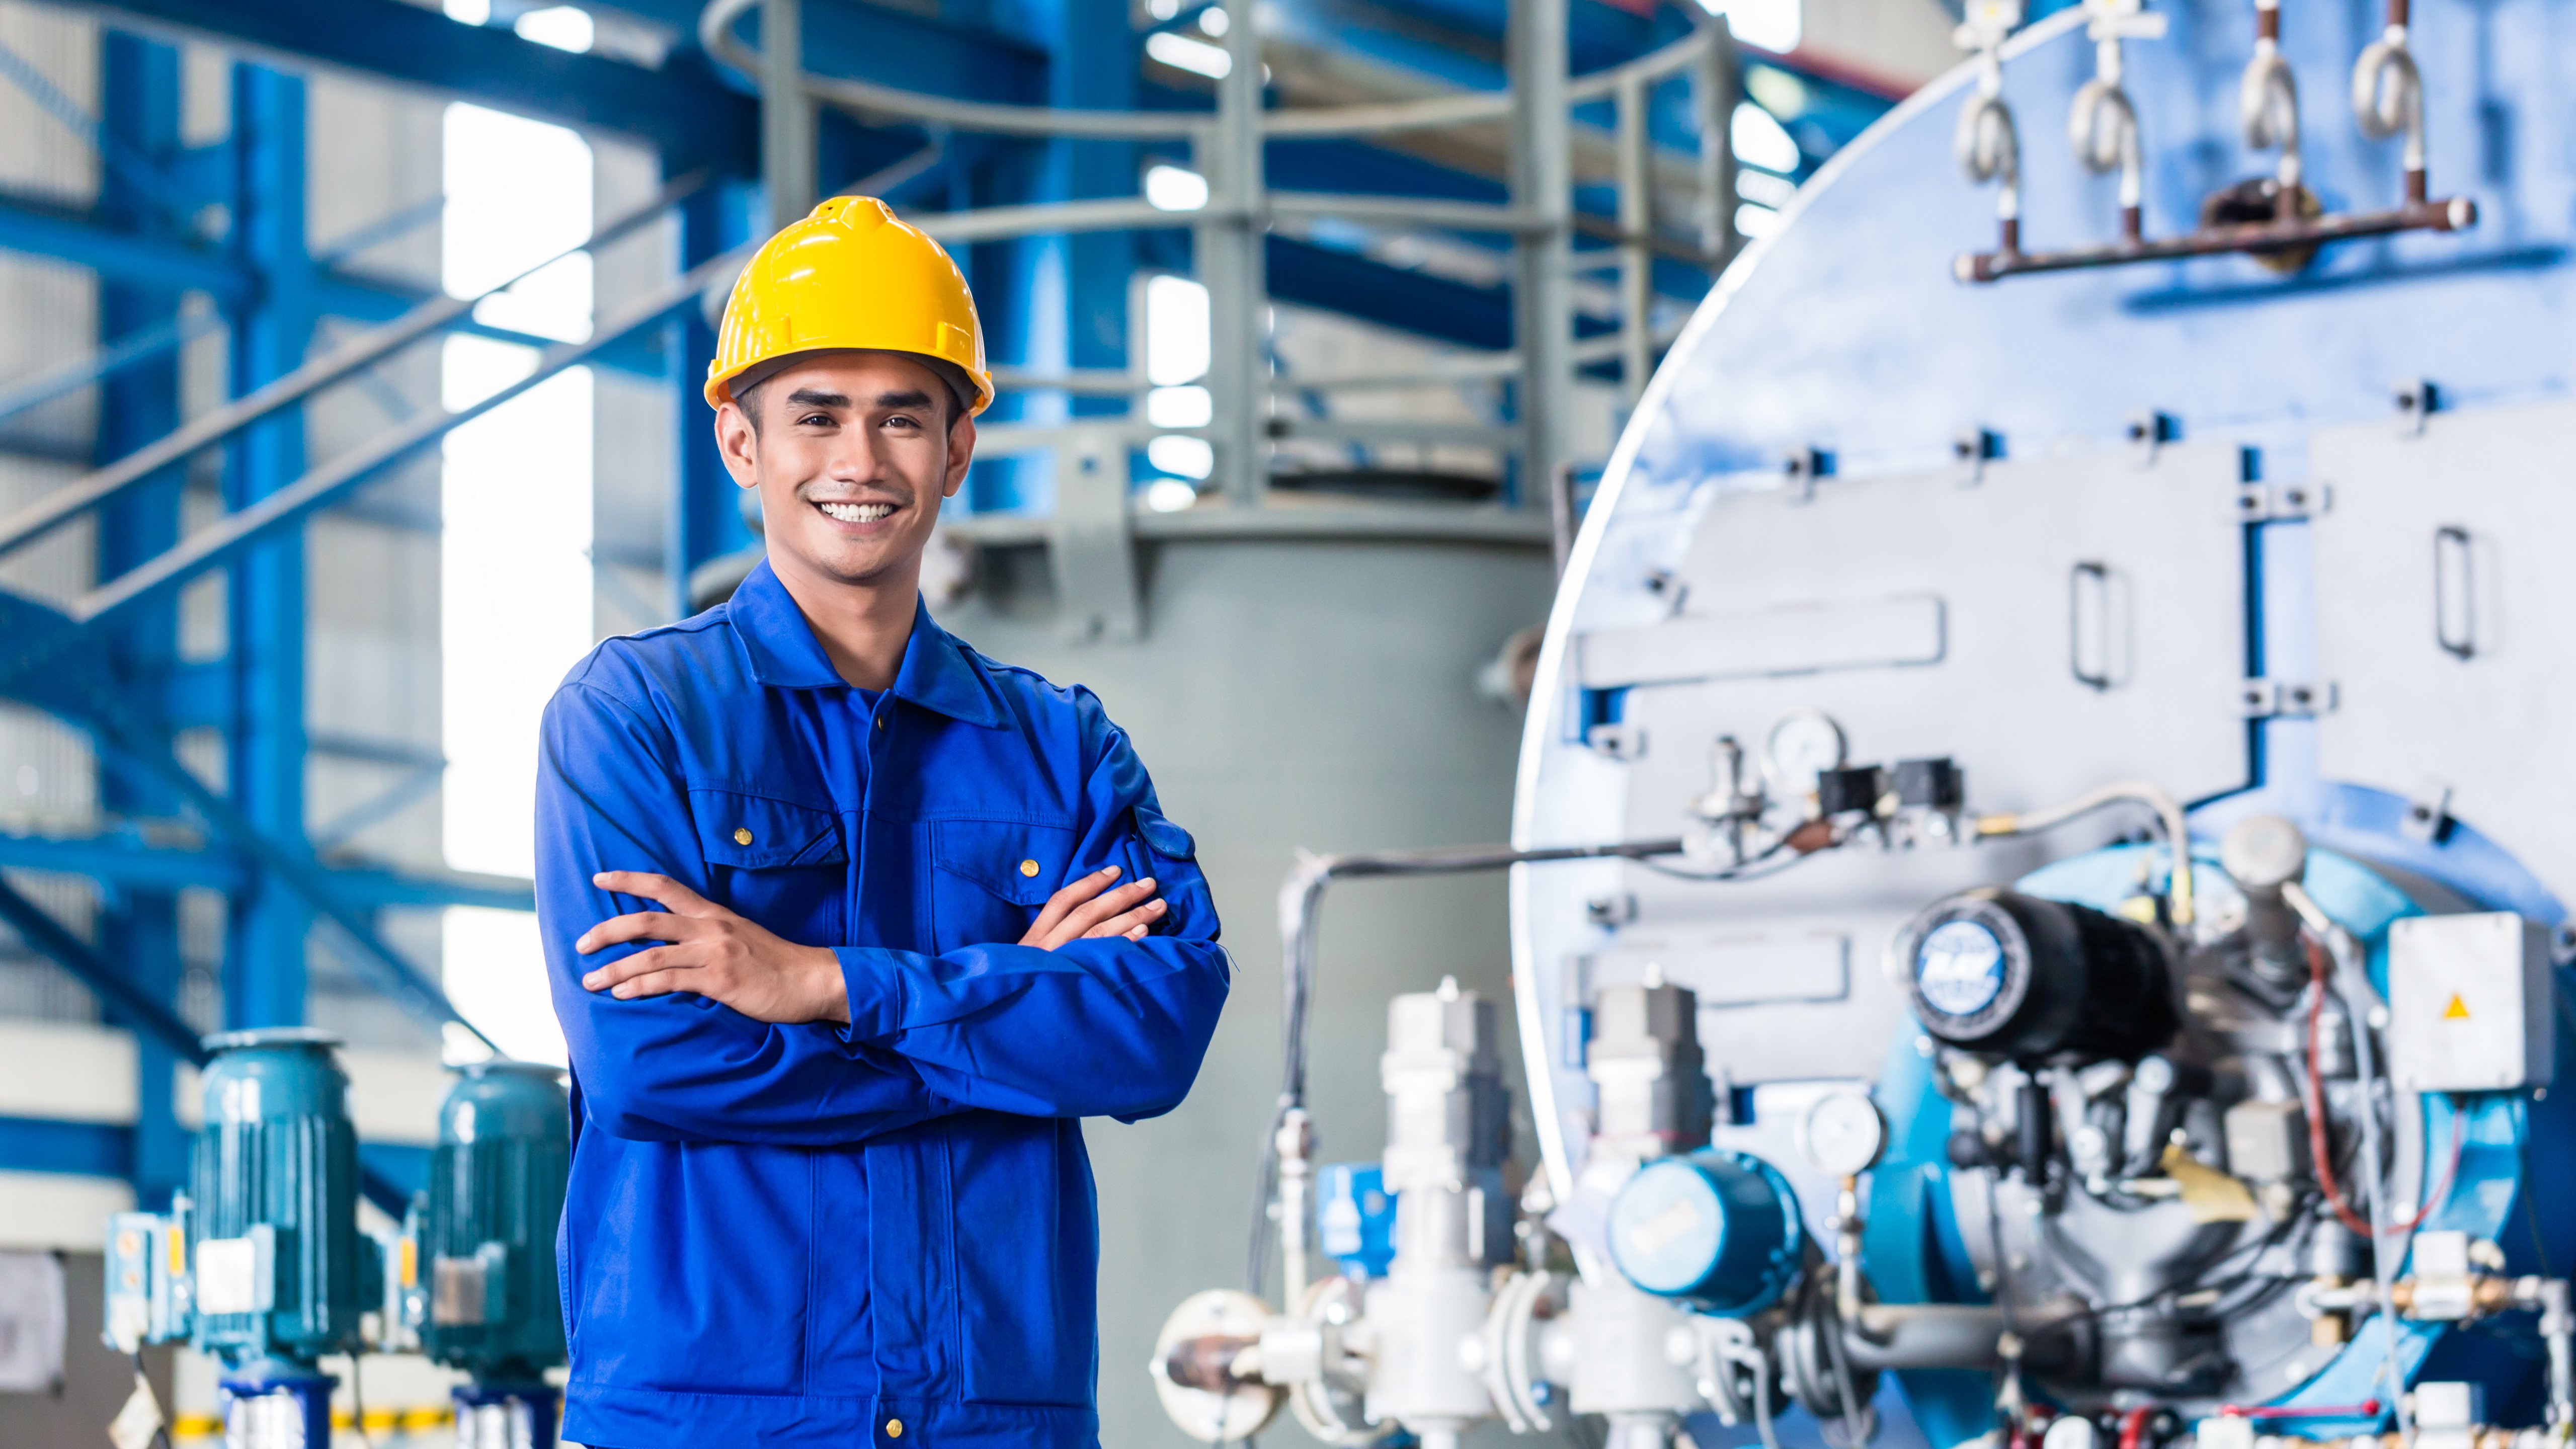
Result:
x=2470 y=999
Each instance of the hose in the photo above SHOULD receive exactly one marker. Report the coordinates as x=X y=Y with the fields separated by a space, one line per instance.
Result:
x=2388 y=95
x=1989 y=148
x=1301 y=899
x=2267 y=101
x=2103 y=125
x=2169 y=817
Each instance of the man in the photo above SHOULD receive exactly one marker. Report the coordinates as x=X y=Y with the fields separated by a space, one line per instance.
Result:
x=847 y=925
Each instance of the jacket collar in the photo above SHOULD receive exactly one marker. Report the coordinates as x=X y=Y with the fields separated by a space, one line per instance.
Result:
x=938 y=673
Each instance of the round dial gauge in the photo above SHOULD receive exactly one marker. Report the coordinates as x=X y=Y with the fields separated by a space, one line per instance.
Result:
x=1802 y=744
x=1843 y=1134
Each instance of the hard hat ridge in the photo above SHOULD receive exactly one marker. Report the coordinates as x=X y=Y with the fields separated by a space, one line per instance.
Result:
x=851 y=274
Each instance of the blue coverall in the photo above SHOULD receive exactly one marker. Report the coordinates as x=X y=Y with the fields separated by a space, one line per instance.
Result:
x=811 y=1234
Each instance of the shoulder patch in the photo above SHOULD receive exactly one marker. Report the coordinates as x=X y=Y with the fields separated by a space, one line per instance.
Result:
x=1163 y=837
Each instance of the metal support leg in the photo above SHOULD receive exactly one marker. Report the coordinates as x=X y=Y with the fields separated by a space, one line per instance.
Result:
x=266 y=969
x=787 y=120
x=1636 y=223
x=139 y=84
x=1231 y=264
x=1716 y=90
x=1542 y=187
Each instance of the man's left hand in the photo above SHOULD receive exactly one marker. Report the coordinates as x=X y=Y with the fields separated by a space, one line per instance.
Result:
x=713 y=952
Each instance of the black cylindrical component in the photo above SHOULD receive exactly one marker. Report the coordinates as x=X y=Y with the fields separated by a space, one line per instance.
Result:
x=2030 y=1110
x=2030 y=979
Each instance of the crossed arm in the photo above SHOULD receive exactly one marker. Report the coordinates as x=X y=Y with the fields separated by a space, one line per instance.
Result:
x=725 y=957
x=693 y=1023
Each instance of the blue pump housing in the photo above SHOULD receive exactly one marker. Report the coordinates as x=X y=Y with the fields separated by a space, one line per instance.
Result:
x=1716 y=1230
x=1355 y=1218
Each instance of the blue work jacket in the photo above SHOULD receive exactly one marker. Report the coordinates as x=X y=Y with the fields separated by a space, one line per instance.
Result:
x=811 y=1234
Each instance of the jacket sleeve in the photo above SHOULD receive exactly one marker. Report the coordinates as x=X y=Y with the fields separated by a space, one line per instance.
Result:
x=1094 y=1028
x=677 y=1068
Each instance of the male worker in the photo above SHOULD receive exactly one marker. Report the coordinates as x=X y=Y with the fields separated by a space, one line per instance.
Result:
x=847 y=925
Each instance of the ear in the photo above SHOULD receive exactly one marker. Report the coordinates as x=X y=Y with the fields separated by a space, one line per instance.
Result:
x=961 y=452
x=738 y=444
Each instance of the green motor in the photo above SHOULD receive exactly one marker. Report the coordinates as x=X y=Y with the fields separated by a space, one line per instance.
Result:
x=271 y=1229
x=477 y=1264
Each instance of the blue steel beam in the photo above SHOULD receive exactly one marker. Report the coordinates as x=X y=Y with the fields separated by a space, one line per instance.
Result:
x=388 y=1173
x=265 y=964
x=129 y=860
x=682 y=110
x=139 y=928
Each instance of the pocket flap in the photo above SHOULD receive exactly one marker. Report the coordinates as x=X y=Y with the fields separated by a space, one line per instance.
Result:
x=1163 y=837
x=754 y=832
x=1023 y=864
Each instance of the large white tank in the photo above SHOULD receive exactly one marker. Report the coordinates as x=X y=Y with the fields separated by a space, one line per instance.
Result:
x=1303 y=678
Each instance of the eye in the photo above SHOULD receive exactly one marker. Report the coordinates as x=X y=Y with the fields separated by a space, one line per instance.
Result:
x=815 y=420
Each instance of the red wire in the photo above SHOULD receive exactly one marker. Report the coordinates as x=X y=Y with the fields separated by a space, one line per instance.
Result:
x=2319 y=1148
x=2133 y=1427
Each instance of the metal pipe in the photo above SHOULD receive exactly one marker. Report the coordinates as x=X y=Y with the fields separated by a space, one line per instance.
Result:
x=1407 y=212
x=1988 y=145
x=2169 y=816
x=787 y=161
x=1542 y=185
x=1716 y=83
x=1123 y=213
x=1301 y=899
x=211 y=547
x=66 y=503
x=1636 y=222
x=2558 y=1330
x=1232 y=264
x=2454 y=214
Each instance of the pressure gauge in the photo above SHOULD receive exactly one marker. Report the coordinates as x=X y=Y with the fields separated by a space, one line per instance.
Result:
x=1803 y=744
x=1843 y=1134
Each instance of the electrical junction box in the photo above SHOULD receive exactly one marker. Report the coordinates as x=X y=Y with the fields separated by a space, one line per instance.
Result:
x=2469 y=1003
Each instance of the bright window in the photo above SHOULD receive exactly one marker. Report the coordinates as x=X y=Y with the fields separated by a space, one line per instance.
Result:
x=515 y=517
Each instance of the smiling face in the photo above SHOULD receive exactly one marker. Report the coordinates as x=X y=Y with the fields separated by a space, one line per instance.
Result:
x=852 y=453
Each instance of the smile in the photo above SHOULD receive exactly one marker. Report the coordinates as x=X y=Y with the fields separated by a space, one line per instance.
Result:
x=856 y=512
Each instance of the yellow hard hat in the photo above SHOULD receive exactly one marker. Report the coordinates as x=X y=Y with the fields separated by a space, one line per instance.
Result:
x=849 y=275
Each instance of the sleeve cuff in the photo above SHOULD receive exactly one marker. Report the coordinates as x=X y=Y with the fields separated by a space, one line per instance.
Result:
x=874 y=984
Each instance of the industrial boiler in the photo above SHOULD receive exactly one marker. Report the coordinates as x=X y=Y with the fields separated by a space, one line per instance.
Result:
x=2040 y=841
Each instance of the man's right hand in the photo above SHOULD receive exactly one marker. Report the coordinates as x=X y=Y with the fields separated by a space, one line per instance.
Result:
x=1088 y=907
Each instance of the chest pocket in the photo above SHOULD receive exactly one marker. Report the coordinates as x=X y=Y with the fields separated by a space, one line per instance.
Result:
x=780 y=864
x=990 y=878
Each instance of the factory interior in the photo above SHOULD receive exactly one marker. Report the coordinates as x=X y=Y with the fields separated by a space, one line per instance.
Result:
x=1479 y=456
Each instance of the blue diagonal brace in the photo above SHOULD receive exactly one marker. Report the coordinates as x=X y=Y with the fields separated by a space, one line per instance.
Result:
x=49 y=938
x=68 y=685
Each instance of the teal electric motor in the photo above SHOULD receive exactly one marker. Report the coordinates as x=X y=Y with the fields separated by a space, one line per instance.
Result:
x=478 y=1260
x=261 y=1265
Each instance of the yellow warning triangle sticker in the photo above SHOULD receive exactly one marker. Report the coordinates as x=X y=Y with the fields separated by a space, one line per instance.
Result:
x=2458 y=1010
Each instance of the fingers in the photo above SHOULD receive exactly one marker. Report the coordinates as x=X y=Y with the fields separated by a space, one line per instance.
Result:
x=1079 y=921
x=1063 y=902
x=658 y=983
x=653 y=887
x=626 y=968
x=1132 y=924
x=641 y=926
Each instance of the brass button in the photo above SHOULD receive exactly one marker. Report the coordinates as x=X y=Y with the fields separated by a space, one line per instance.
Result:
x=1028 y=867
x=894 y=1428
x=881 y=725
x=741 y=836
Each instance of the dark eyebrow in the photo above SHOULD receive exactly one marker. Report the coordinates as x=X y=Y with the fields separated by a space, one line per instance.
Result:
x=913 y=398
x=807 y=397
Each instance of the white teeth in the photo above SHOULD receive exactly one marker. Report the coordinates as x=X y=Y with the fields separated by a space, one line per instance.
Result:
x=856 y=512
